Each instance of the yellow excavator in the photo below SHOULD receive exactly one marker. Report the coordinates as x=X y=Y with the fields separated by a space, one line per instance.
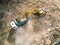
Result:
x=34 y=13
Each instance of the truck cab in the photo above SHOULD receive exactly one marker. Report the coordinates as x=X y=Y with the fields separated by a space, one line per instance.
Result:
x=13 y=25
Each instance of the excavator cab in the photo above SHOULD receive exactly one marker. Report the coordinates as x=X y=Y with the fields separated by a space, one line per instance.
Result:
x=39 y=12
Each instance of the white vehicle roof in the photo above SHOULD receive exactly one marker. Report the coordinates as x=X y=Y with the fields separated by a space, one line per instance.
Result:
x=13 y=25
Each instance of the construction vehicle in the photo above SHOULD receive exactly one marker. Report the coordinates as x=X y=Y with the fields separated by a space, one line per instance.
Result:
x=15 y=24
x=25 y=17
x=34 y=13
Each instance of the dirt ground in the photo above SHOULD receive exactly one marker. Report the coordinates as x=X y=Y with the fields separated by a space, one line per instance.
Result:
x=42 y=31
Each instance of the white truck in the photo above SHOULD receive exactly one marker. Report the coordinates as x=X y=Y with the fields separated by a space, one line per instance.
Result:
x=15 y=24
